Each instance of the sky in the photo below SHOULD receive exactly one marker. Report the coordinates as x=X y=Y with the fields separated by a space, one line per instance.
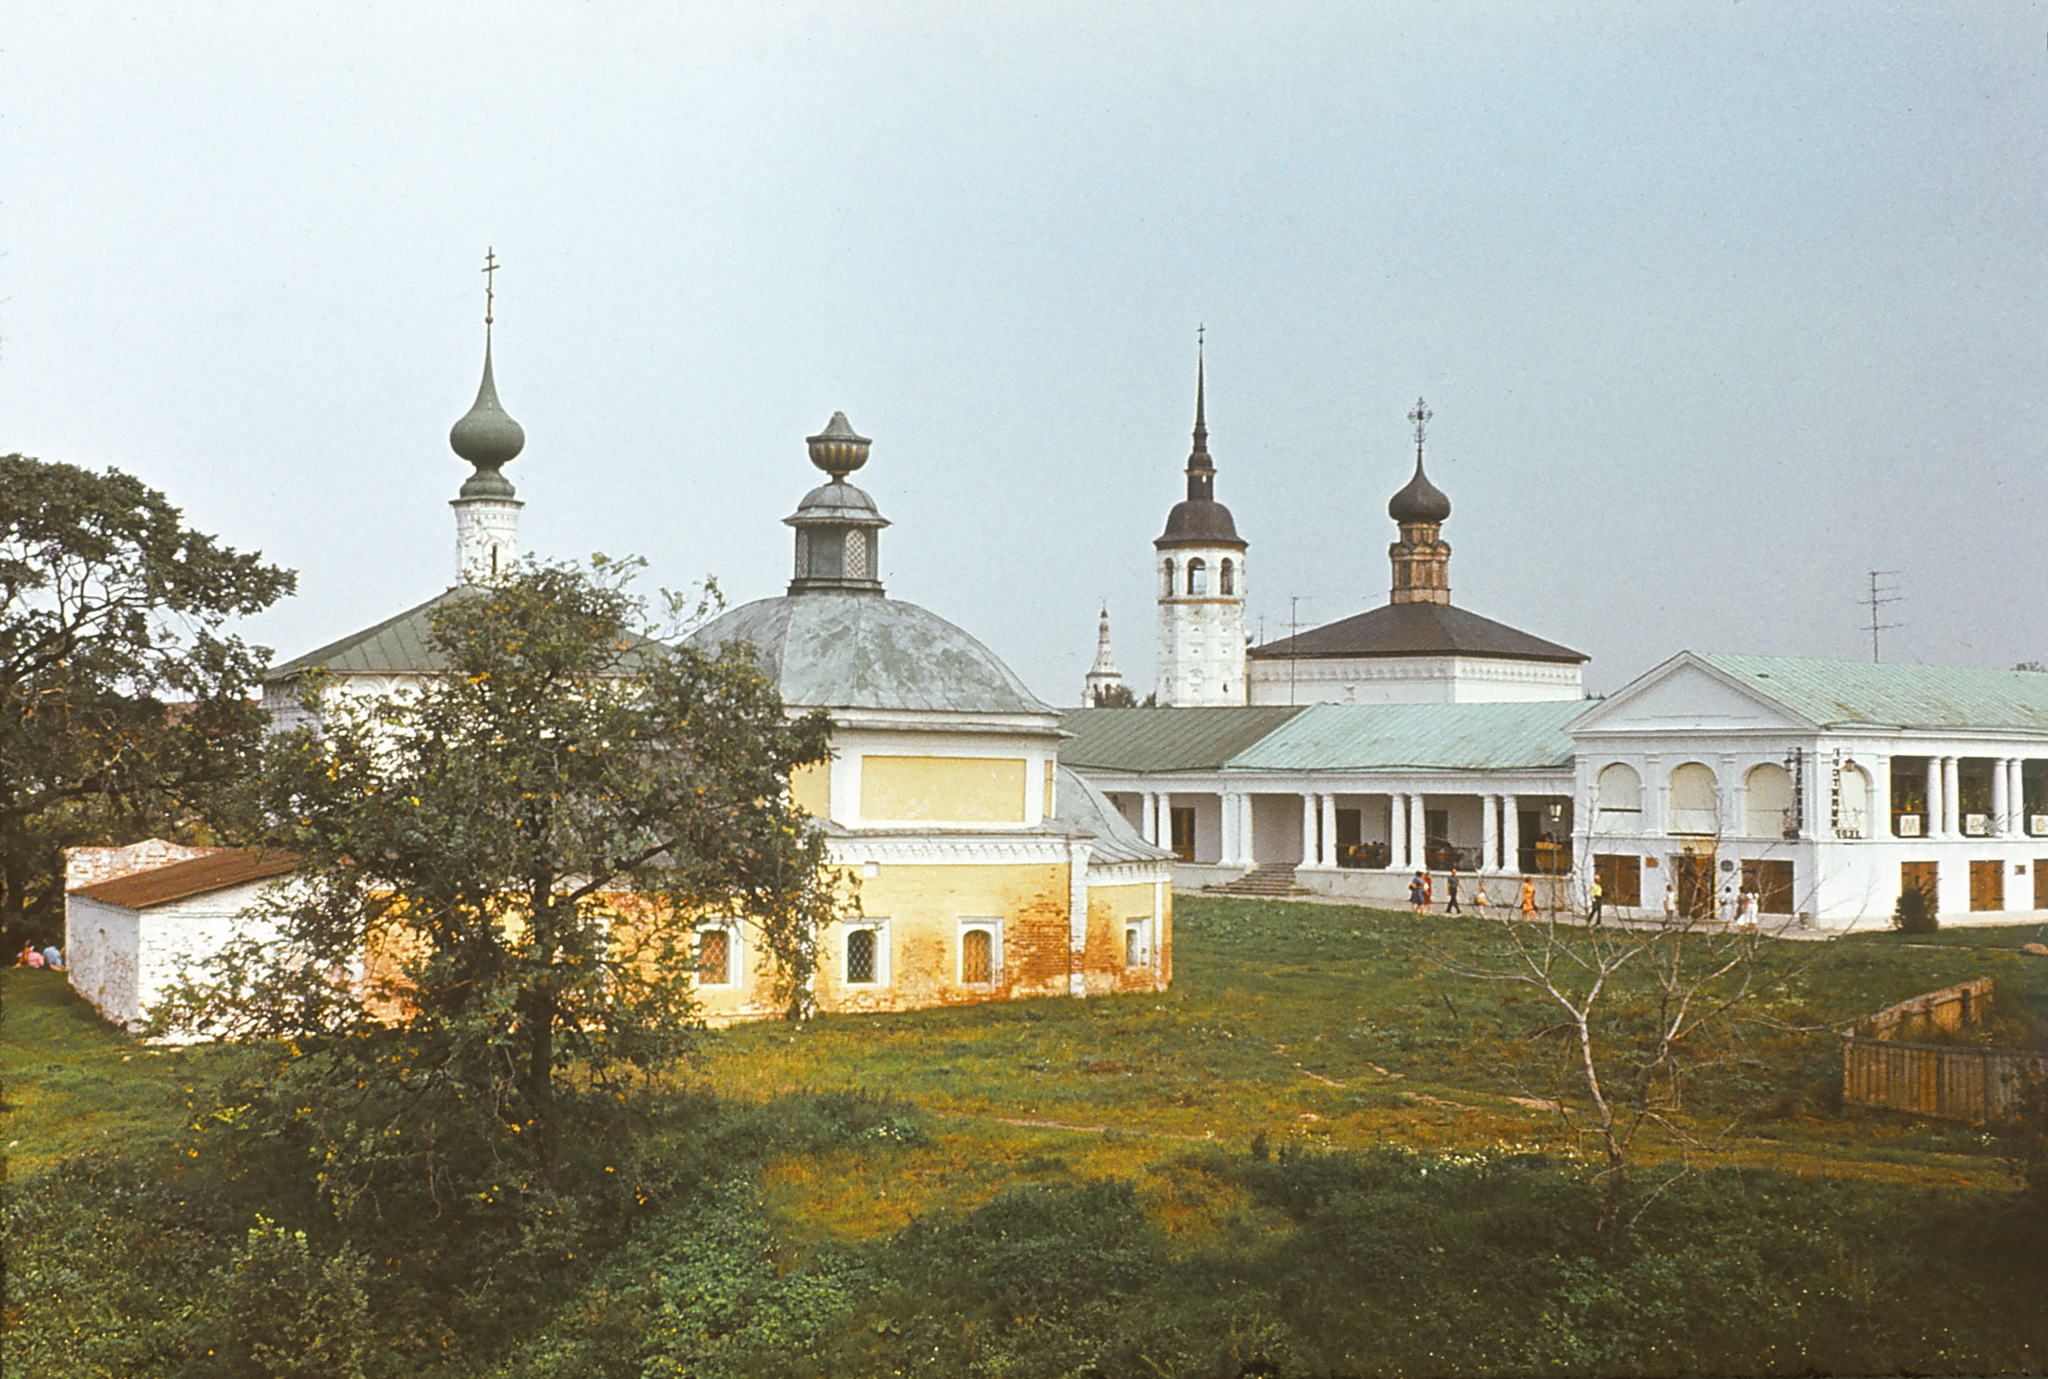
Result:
x=1719 y=307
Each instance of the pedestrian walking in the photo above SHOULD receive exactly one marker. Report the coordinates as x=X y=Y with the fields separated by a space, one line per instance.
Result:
x=1479 y=900
x=1598 y=895
x=1670 y=903
x=1418 y=896
x=1451 y=892
x=1528 y=897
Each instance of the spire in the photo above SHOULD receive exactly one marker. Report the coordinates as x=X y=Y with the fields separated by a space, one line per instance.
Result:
x=1201 y=469
x=1105 y=682
x=486 y=510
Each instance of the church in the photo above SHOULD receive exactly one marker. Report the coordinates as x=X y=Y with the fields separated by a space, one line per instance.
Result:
x=986 y=869
x=1420 y=736
x=1414 y=736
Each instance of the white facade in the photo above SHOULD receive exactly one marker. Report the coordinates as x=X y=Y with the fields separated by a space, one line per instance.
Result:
x=122 y=959
x=1692 y=769
x=1410 y=680
x=486 y=538
x=1201 y=626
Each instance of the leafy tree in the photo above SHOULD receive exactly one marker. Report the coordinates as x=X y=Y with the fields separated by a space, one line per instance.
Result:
x=122 y=704
x=1117 y=696
x=523 y=847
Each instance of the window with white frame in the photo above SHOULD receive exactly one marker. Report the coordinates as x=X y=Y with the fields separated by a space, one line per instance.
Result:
x=1138 y=942
x=1695 y=803
x=981 y=951
x=718 y=954
x=1620 y=795
x=866 y=953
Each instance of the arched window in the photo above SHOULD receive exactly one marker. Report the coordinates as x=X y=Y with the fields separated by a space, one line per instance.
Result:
x=1170 y=590
x=1769 y=810
x=977 y=957
x=1620 y=799
x=1852 y=804
x=1694 y=808
x=1198 y=576
x=1226 y=578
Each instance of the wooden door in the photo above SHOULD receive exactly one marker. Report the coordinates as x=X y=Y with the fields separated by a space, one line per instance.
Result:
x=2041 y=883
x=1987 y=885
x=1695 y=873
x=1621 y=878
x=1924 y=875
x=1184 y=834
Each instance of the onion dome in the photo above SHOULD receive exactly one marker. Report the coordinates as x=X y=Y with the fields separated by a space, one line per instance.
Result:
x=1420 y=502
x=487 y=438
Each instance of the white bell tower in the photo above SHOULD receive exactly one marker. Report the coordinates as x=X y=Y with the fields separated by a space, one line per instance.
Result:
x=1201 y=583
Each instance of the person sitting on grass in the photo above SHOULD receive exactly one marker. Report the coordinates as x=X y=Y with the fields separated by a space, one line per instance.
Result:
x=53 y=958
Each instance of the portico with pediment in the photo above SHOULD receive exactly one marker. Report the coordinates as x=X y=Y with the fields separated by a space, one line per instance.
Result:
x=1820 y=788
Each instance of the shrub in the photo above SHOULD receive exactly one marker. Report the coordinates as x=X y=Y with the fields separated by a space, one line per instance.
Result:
x=1915 y=913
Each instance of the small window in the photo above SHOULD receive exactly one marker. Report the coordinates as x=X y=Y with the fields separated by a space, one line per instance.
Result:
x=714 y=957
x=1138 y=943
x=1226 y=578
x=977 y=957
x=1198 y=576
x=860 y=957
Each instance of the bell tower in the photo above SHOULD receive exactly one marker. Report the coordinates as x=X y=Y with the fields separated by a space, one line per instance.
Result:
x=1200 y=569
x=487 y=510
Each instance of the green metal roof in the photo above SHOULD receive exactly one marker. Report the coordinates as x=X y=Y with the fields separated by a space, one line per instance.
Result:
x=1165 y=739
x=1859 y=694
x=1428 y=737
x=397 y=646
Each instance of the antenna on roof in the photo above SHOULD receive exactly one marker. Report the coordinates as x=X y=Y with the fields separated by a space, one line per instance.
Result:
x=1294 y=602
x=1876 y=599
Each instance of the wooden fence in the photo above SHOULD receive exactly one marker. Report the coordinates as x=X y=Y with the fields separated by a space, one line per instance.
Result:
x=1953 y=1081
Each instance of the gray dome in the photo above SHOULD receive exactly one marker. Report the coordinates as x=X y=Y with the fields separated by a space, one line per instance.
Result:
x=1420 y=501
x=837 y=501
x=486 y=436
x=835 y=650
x=1199 y=522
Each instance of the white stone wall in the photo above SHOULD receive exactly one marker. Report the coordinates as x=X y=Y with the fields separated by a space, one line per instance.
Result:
x=122 y=960
x=1410 y=680
x=1201 y=636
x=486 y=538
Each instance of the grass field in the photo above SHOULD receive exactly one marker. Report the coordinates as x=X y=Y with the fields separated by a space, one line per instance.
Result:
x=1290 y=1027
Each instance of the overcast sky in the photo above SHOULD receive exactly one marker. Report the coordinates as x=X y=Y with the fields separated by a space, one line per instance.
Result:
x=1719 y=306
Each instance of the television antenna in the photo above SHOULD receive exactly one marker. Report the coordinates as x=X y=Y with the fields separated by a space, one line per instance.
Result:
x=1879 y=596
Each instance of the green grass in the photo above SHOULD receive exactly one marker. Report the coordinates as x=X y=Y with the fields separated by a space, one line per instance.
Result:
x=1289 y=1028
x=75 y=1083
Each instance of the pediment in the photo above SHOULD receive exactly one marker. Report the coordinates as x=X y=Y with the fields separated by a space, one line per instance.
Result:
x=1684 y=695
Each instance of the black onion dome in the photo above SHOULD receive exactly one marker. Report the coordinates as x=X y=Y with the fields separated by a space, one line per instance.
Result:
x=1200 y=522
x=1420 y=502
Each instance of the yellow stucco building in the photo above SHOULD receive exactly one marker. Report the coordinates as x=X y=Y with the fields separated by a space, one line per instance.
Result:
x=987 y=871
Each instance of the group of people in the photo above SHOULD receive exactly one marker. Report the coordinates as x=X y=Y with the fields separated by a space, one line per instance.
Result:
x=51 y=957
x=1421 y=892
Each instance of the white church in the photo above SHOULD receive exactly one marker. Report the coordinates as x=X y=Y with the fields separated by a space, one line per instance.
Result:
x=1419 y=736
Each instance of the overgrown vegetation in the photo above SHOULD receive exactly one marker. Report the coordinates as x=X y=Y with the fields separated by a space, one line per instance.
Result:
x=1307 y=1159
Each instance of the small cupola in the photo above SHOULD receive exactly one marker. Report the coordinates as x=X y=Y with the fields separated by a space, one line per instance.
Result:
x=836 y=524
x=1421 y=558
x=487 y=507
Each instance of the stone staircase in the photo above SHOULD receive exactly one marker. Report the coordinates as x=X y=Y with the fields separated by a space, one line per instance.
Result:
x=1270 y=879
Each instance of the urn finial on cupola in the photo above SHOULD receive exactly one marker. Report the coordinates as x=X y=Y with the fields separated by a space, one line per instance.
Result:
x=837 y=526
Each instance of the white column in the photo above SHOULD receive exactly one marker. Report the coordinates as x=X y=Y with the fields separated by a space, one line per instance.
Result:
x=1329 y=858
x=1880 y=821
x=1951 y=817
x=1310 y=854
x=1397 y=832
x=2016 y=796
x=1226 y=820
x=1248 y=853
x=1510 y=833
x=1418 y=834
x=2001 y=800
x=1935 y=811
x=1489 y=834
